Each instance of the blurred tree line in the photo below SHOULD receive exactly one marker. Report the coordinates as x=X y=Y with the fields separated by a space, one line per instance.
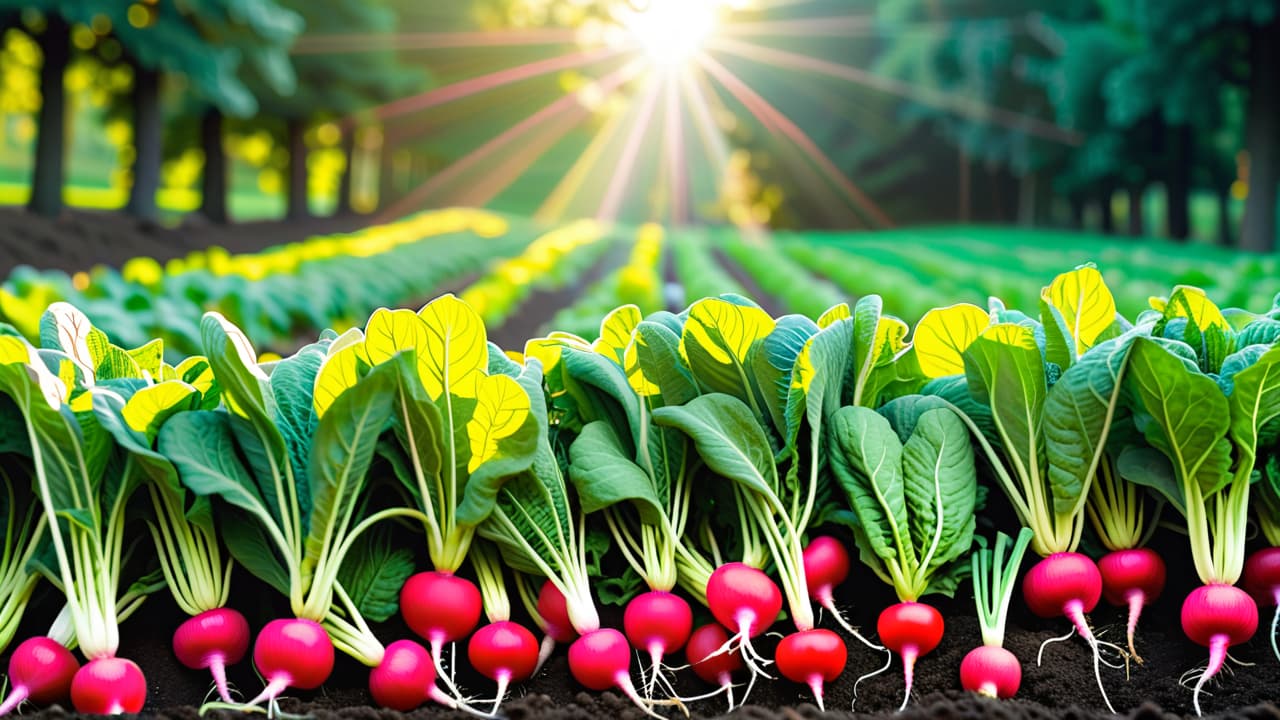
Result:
x=230 y=65
x=1177 y=96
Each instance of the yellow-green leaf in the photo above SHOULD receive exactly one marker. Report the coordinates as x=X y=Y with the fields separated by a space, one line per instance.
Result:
x=338 y=372
x=1012 y=334
x=834 y=314
x=392 y=331
x=1085 y=302
x=73 y=336
x=501 y=408
x=942 y=336
x=149 y=357
x=196 y=372
x=635 y=372
x=455 y=346
x=891 y=339
x=15 y=350
x=1193 y=304
x=155 y=401
x=724 y=330
x=616 y=330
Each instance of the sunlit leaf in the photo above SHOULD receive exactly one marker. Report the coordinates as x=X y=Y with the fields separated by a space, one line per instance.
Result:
x=1085 y=302
x=455 y=346
x=942 y=336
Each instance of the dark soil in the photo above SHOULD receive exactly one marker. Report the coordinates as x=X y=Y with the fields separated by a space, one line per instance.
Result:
x=81 y=239
x=748 y=283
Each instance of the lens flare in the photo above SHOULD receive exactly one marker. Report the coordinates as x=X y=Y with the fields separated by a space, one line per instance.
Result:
x=669 y=31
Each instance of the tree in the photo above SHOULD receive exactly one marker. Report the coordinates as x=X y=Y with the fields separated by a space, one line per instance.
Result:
x=334 y=84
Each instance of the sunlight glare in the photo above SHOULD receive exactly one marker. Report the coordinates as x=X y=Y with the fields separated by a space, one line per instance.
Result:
x=669 y=31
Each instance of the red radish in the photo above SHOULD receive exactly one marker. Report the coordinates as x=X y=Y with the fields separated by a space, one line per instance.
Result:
x=1068 y=584
x=712 y=667
x=440 y=607
x=1133 y=578
x=659 y=623
x=212 y=640
x=601 y=660
x=504 y=652
x=912 y=630
x=743 y=599
x=812 y=657
x=1262 y=580
x=992 y=671
x=292 y=653
x=1218 y=616
x=554 y=610
x=109 y=686
x=40 y=670
x=406 y=678
x=826 y=565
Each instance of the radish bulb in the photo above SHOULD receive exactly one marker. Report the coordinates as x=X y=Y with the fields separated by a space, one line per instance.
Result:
x=826 y=565
x=812 y=657
x=1132 y=578
x=1068 y=584
x=601 y=660
x=109 y=686
x=1262 y=581
x=912 y=630
x=212 y=640
x=1217 y=616
x=40 y=670
x=708 y=663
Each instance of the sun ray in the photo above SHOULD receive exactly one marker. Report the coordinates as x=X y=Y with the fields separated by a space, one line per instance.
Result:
x=952 y=102
x=484 y=83
x=612 y=201
x=364 y=42
x=554 y=207
x=763 y=109
x=847 y=26
x=564 y=104
x=517 y=163
x=673 y=141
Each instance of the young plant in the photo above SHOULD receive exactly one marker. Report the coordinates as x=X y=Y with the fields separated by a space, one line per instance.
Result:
x=540 y=532
x=908 y=472
x=503 y=651
x=1204 y=394
x=1045 y=395
x=40 y=669
x=289 y=466
x=990 y=669
x=80 y=476
x=460 y=429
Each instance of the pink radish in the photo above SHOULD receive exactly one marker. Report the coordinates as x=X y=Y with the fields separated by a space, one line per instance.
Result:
x=657 y=622
x=992 y=671
x=826 y=565
x=1132 y=578
x=601 y=660
x=291 y=653
x=812 y=657
x=504 y=652
x=709 y=664
x=1218 y=616
x=406 y=678
x=554 y=610
x=440 y=607
x=747 y=602
x=912 y=630
x=1262 y=581
x=212 y=640
x=1068 y=584
x=40 y=670
x=109 y=686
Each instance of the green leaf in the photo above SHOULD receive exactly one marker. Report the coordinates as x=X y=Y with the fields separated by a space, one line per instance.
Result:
x=1189 y=415
x=1150 y=468
x=941 y=488
x=201 y=447
x=345 y=440
x=373 y=572
x=251 y=546
x=1255 y=400
x=866 y=458
x=1006 y=371
x=656 y=351
x=604 y=475
x=728 y=438
x=1078 y=413
x=773 y=368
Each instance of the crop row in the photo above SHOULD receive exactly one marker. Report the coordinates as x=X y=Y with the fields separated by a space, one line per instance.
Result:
x=697 y=450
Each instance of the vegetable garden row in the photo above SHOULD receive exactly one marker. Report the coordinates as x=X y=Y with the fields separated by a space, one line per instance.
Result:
x=704 y=452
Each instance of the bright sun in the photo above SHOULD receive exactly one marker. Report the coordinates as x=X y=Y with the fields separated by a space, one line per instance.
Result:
x=669 y=31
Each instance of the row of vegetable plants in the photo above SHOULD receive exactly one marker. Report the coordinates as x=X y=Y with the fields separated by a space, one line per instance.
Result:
x=637 y=281
x=281 y=294
x=704 y=451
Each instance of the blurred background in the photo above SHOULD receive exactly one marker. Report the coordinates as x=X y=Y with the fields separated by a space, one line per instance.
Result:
x=1003 y=132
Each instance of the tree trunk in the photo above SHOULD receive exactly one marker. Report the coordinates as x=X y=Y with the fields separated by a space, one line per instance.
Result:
x=1104 y=205
x=1027 y=195
x=386 y=175
x=1135 y=210
x=147 y=141
x=1258 y=231
x=297 y=208
x=348 y=170
x=46 y=182
x=1226 y=238
x=213 y=182
x=1178 y=183
x=1077 y=212
x=965 y=199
